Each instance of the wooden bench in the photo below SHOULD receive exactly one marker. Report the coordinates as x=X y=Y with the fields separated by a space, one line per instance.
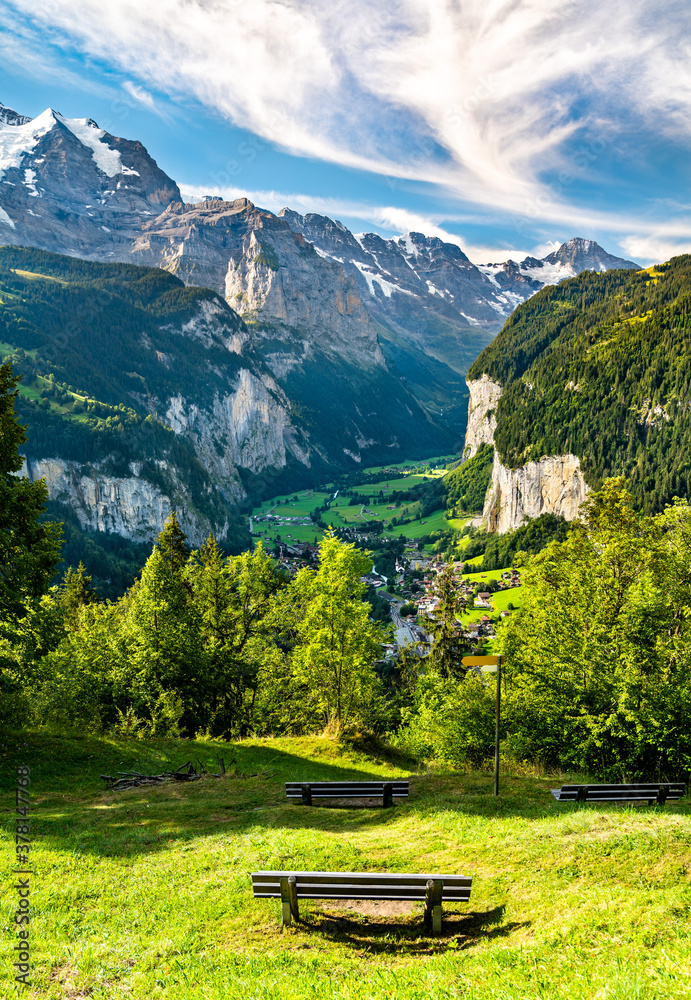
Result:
x=290 y=887
x=306 y=792
x=653 y=794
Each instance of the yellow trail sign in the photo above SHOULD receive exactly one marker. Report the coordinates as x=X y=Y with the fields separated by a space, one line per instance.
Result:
x=481 y=661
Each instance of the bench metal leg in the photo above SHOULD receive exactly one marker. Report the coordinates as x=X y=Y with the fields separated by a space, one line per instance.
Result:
x=388 y=795
x=289 y=901
x=433 y=905
x=307 y=795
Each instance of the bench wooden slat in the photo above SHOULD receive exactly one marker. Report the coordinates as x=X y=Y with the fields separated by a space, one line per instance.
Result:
x=418 y=897
x=307 y=791
x=347 y=786
x=430 y=889
x=348 y=794
x=364 y=878
x=649 y=792
x=677 y=785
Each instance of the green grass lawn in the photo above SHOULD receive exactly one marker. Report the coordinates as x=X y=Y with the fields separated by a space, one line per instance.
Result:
x=500 y=601
x=488 y=574
x=410 y=463
x=146 y=893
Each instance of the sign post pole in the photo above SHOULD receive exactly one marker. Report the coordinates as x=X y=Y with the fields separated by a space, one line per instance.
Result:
x=490 y=665
x=496 y=734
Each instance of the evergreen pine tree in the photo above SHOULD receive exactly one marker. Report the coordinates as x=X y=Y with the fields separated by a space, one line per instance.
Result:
x=172 y=544
x=29 y=547
x=451 y=640
x=75 y=592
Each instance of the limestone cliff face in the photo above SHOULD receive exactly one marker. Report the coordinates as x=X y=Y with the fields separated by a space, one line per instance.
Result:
x=210 y=326
x=249 y=428
x=482 y=419
x=553 y=485
x=127 y=506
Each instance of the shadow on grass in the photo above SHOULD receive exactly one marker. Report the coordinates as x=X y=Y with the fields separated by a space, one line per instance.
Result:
x=78 y=813
x=75 y=763
x=380 y=937
x=149 y=819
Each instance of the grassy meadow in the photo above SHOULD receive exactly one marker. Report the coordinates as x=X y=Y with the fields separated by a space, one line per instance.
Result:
x=146 y=893
x=342 y=515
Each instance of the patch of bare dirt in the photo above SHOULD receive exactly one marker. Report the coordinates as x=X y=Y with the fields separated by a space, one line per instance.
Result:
x=373 y=907
x=370 y=802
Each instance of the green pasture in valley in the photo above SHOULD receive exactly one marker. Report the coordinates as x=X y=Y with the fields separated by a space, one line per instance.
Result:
x=340 y=513
x=288 y=533
x=146 y=893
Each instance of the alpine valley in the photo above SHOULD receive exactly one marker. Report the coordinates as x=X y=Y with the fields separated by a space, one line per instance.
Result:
x=249 y=352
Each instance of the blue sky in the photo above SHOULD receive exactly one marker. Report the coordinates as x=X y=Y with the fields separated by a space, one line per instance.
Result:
x=507 y=126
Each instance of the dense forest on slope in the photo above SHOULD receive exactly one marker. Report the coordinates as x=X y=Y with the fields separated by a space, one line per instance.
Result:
x=530 y=538
x=600 y=367
x=461 y=490
x=100 y=348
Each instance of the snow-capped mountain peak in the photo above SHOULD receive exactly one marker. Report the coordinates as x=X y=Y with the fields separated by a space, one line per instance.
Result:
x=65 y=183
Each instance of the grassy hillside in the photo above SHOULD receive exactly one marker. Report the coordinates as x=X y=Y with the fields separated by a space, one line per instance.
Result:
x=146 y=893
x=600 y=366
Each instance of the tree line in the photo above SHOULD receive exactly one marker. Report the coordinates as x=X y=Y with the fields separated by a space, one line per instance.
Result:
x=598 y=661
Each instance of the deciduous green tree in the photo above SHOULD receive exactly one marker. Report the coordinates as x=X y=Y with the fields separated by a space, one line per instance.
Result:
x=597 y=669
x=337 y=644
x=233 y=598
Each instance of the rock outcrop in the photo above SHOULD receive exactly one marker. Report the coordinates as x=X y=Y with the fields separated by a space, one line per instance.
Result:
x=252 y=423
x=482 y=417
x=554 y=485
x=127 y=506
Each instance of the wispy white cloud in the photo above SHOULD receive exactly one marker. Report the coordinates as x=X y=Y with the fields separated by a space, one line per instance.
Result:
x=654 y=248
x=23 y=51
x=481 y=98
x=142 y=96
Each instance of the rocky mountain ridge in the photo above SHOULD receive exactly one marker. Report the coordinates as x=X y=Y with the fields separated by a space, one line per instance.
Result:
x=70 y=187
x=358 y=344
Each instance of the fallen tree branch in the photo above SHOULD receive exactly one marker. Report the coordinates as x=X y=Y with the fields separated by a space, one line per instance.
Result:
x=186 y=772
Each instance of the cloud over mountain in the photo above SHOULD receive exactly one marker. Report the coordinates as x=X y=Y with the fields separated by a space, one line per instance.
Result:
x=499 y=103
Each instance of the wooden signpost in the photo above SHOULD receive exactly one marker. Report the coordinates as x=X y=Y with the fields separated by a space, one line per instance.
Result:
x=490 y=665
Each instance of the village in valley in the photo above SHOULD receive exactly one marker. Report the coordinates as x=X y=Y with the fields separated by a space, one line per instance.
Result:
x=379 y=509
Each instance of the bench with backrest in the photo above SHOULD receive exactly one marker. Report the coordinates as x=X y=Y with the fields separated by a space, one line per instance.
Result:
x=306 y=792
x=432 y=890
x=652 y=794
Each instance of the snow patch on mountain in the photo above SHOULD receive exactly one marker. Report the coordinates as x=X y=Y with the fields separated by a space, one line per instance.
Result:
x=16 y=141
x=327 y=256
x=410 y=249
x=4 y=217
x=19 y=136
x=387 y=287
x=89 y=134
x=30 y=183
